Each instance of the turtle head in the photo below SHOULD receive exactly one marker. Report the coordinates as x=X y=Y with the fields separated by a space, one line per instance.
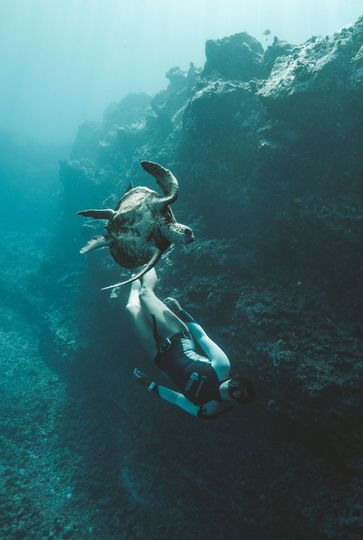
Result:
x=177 y=233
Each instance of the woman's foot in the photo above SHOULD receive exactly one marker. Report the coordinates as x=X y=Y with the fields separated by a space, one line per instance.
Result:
x=133 y=303
x=173 y=305
x=150 y=279
x=135 y=285
x=176 y=308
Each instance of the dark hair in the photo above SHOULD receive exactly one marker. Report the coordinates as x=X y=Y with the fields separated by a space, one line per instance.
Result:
x=244 y=386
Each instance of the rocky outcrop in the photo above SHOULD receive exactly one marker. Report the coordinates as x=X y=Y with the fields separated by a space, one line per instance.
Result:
x=322 y=78
x=237 y=57
x=277 y=49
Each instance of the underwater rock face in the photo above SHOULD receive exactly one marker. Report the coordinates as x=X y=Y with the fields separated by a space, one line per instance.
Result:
x=267 y=149
x=236 y=57
x=320 y=79
x=130 y=110
x=277 y=49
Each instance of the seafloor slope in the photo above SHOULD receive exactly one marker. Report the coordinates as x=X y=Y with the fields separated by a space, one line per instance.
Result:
x=267 y=146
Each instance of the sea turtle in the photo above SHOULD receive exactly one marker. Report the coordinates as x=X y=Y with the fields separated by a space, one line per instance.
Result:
x=142 y=226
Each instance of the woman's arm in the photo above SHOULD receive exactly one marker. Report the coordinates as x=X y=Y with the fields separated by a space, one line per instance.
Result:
x=215 y=354
x=208 y=411
x=177 y=399
x=165 y=393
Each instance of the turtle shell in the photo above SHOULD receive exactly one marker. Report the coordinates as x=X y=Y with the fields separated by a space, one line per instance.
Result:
x=134 y=231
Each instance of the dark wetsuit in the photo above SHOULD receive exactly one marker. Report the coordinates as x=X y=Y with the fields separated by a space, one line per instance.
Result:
x=192 y=373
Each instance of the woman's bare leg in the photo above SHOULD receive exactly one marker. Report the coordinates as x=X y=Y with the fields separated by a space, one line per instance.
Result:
x=142 y=325
x=167 y=322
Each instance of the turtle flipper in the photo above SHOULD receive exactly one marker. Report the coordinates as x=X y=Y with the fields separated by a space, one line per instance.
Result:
x=154 y=168
x=96 y=242
x=107 y=213
x=166 y=180
x=154 y=259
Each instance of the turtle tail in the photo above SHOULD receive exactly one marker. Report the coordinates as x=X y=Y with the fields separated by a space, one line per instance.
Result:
x=154 y=259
